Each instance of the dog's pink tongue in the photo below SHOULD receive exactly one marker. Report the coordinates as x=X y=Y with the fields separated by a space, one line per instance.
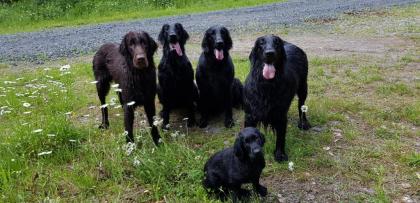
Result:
x=177 y=48
x=218 y=54
x=269 y=71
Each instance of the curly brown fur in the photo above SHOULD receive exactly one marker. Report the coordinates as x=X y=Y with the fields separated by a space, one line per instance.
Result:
x=129 y=64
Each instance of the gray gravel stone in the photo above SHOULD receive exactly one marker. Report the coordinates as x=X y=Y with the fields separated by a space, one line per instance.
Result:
x=75 y=41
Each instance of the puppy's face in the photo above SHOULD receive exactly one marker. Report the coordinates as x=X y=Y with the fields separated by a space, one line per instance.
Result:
x=139 y=47
x=173 y=36
x=217 y=41
x=249 y=144
x=269 y=51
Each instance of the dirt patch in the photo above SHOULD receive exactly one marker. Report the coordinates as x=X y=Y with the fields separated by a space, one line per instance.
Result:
x=333 y=45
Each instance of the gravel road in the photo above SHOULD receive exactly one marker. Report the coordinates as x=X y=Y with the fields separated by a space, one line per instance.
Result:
x=70 y=42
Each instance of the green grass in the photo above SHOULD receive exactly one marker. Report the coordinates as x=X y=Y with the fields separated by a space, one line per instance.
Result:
x=87 y=163
x=32 y=15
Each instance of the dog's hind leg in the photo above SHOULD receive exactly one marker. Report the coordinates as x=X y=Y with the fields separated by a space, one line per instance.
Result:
x=280 y=125
x=302 y=94
x=103 y=86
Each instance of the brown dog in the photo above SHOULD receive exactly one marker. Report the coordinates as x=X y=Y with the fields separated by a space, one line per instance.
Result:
x=129 y=64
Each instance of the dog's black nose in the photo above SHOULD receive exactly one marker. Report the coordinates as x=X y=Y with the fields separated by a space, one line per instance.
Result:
x=269 y=53
x=219 y=44
x=141 y=58
x=172 y=37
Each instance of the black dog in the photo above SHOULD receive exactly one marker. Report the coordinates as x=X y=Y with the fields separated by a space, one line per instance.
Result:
x=130 y=65
x=176 y=75
x=219 y=90
x=228 y=169
x=279 y=70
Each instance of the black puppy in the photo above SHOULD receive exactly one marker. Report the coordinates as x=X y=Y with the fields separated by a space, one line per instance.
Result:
x=176 y=75
x=279 y=70
x=228 y=169
x=129 y=64
x=218 y=88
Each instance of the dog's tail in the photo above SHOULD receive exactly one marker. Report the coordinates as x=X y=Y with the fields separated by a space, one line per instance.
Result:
x=237 y=93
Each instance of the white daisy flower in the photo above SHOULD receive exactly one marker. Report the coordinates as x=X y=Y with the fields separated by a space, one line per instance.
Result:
x=131 y=103
x=304 y=108
x=291 y=166
x=65 y=67
x=136 y=162
x=26 y=104
x=157 y=121
x=37 y=131
x=129 y=148
x=44 y=153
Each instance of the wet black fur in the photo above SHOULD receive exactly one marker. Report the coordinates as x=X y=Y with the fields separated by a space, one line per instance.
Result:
x=243 y=163
x=268 y=101
x=176 y=75
x=219 y=90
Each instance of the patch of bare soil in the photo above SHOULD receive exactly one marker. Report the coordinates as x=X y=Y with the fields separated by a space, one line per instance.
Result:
x=333 y=45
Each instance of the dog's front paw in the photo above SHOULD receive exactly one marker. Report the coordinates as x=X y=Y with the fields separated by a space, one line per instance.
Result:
x=304 y=125
x=229 y=123
x=104 y=126
x=279 y=156
x=262 y=191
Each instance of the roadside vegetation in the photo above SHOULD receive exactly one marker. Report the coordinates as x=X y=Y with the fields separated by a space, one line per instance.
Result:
x=32 y=15
x=364 y=146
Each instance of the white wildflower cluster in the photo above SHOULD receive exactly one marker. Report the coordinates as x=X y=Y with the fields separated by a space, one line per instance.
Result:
x=129 y=148
x=157 y=121
x=5 y=110
x=131 y=103
x=37 y=131
x=44 y=153
x=65 y=70
x=291 y=166
x=304 y=108
x=136 y=161
x=177 y=134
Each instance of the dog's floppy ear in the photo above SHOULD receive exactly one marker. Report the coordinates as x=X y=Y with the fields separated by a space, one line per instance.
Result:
x=279 y=45
x=124 y=45
x=227 y=39
x=161 y=37
x=184 y=34
x=262 y=138
x=152 y=46
x=238 y=147
x=253 y=54
x=205 y=43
